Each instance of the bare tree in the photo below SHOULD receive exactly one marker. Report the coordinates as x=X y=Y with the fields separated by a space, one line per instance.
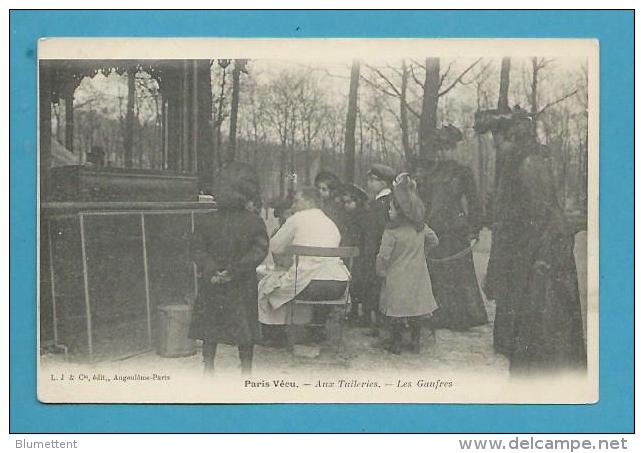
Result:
x=404 y=121
x=311 y=110
x=239 y=67
x=384 y=84
x=220 y=115
x=281 y=110
x=538 y=65
x=432 y=91
x=504 y=85
x=350 y=128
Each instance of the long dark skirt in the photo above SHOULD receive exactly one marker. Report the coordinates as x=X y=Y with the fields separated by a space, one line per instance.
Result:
x=455 y=286
x=548 y=325
x=504 y=334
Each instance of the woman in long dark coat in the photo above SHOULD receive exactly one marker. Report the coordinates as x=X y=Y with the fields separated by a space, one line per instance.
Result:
x=531 y=274
x=227 y=246
x=453 y=212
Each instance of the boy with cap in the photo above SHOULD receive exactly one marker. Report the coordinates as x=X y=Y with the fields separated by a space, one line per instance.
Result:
x=379 y=180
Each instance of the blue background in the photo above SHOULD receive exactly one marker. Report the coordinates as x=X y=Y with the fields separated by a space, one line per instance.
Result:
x=614 y=412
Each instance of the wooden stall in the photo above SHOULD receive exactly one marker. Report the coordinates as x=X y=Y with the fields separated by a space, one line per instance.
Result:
x=114 y=241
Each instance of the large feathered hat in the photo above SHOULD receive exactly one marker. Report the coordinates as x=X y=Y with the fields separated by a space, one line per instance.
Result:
x=500 y=119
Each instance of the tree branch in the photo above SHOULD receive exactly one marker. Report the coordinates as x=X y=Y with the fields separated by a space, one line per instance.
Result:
x=550 y=104
x=383 y=77
x=413 y=76
x=378 y=87
x=458 y=79
x=445 y=74
x=393 y=113
x=417 y=63
x=389 y=93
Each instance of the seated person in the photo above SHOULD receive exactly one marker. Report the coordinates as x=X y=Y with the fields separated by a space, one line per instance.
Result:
x=308 y=226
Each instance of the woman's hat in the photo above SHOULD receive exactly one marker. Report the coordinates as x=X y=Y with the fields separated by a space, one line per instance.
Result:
x=236 y=182
x=500 y=119
x=407 y=199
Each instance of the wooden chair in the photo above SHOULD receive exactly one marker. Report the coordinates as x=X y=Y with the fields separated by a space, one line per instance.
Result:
x=330 y=252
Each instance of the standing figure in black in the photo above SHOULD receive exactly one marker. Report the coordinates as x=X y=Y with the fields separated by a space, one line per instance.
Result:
x=379 y=180
x=227 y=246
x=453 y=212
x=531 y=274
x=352 y=231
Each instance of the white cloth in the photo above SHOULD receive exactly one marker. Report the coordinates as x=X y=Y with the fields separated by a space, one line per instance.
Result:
x=312 y=228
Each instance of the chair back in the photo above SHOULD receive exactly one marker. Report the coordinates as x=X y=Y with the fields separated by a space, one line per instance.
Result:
x=339 y=252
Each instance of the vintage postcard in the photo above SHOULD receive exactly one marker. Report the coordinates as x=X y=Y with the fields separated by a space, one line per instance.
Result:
x=318 y=221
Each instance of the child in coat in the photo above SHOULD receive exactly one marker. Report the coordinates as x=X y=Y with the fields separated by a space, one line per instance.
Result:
x=406 y=295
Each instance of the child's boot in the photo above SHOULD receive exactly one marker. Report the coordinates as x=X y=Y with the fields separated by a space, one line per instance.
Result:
x=209 y=351
x=246 y=359
x=395 y=345
x=415 y=337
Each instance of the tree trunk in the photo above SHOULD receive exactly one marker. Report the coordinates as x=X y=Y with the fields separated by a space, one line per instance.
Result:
x=69 y=122
x=292 y=171
x=504 y=87
x=128 y=142
x=428 y=118
x=283 y=151
x=350 y=129
x=404 y=119
x=534 y=103
x=234 y=107
x=220 y=119
x=282 y=168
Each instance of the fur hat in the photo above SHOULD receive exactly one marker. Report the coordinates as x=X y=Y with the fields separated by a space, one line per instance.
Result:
x=407 y=200
x=236 y=184
x=382 y=171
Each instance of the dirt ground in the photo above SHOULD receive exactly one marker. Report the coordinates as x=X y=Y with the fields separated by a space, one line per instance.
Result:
x=468 y=351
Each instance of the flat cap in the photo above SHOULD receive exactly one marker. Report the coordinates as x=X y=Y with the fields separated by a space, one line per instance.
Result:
x=382 y=171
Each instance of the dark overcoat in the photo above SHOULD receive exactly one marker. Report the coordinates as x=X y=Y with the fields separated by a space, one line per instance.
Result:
x=235 y=240
x=374 y=223
x=353 y=235
x=532 y=273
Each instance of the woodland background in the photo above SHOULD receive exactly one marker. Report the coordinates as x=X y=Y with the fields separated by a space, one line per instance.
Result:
x=292 y=119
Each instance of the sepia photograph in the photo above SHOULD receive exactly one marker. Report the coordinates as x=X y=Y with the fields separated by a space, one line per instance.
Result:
x=318 y=220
